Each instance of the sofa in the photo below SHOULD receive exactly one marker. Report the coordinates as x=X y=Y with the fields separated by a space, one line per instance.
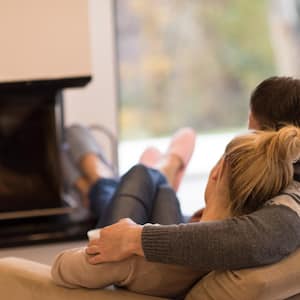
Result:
x=28 y=280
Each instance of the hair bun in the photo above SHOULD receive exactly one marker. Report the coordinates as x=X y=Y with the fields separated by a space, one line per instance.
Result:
x=285 y=144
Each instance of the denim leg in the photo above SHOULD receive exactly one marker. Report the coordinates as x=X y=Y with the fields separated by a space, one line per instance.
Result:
x=101 y=194
x=166 y=208
x=134 y=196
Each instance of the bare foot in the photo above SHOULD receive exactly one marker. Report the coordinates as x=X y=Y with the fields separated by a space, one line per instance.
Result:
x=170 y=165
x=150 y=157
x=178 y=155
x=83 y=186
x=93 y=168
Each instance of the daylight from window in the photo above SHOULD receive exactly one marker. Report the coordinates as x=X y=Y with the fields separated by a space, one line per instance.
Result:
x=194 y=63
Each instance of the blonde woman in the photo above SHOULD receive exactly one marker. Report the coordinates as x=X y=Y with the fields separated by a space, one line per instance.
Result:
x=255 y=167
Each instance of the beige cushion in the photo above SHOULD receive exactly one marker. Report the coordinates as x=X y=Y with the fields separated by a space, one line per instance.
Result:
x=27 y=280
x=274 y=282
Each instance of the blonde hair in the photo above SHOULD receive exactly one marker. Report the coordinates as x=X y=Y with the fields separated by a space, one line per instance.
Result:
x=260 y=166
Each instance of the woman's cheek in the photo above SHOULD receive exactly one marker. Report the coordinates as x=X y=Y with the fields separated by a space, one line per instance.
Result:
x=207 y=192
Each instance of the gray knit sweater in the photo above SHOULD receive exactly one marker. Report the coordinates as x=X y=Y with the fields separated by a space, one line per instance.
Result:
x=260 y=238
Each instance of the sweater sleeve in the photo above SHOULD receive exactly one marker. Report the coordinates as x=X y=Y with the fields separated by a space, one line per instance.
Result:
x=261 y=238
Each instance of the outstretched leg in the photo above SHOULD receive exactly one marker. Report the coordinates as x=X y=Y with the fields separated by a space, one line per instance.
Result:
x=71 y=269
x=134 y=196
x=166 y=207
x=142 y=194
x=138 y=195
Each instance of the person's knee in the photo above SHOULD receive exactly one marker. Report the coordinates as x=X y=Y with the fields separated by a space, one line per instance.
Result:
x=139 y=170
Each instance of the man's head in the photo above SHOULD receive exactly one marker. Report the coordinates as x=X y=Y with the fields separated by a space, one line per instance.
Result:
x=274 y=103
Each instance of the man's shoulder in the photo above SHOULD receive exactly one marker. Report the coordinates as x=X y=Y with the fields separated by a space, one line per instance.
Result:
x=289 y=197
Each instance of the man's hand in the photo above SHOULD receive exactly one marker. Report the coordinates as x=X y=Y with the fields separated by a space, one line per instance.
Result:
x=116 y=242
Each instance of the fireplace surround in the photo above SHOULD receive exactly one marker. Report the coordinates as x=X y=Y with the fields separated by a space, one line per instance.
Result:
x=35 y=204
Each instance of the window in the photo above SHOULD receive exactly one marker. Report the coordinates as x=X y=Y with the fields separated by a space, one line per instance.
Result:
x=189 y=62
x=195 y=62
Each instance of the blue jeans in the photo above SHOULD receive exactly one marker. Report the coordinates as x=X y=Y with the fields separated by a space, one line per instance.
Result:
x=142 y=194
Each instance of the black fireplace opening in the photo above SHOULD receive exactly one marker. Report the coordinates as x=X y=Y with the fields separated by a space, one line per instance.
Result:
x=30 y=176
x=36 y=206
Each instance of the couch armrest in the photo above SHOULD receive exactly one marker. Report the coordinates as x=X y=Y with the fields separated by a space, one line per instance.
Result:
x=27 y=280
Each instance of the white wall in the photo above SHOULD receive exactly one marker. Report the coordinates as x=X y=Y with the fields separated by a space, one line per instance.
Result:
x=52 y=39
x=43 y=39
x=96 y=103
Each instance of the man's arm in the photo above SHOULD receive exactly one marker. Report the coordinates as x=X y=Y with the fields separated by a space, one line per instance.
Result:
x=263 y=237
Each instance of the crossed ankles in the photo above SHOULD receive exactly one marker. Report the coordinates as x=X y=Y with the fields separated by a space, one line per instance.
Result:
x=174 y=162
x=83 y=161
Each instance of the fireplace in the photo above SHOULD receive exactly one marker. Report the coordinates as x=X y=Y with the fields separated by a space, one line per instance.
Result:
x=35 y=205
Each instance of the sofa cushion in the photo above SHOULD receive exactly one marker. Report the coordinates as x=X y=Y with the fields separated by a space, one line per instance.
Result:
x=273 y=282
x=23 y=279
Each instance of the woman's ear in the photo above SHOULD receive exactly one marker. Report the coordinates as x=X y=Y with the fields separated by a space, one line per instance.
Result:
x=215 y=174
x=221 y=171
x=216 y=171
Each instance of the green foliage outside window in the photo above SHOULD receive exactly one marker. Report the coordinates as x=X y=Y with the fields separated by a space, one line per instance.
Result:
x=190 y=62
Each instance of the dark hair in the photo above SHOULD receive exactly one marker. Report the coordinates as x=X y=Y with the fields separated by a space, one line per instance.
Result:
x=276 y=102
